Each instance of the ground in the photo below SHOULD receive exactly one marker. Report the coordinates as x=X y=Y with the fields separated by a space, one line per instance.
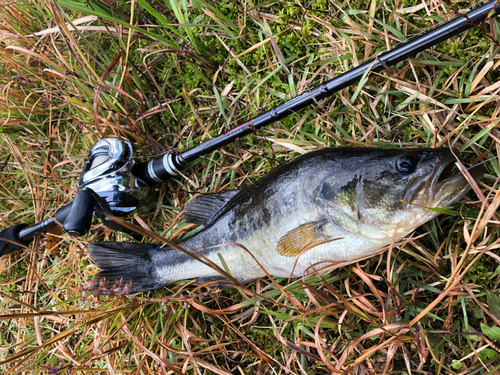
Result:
x=168 y=75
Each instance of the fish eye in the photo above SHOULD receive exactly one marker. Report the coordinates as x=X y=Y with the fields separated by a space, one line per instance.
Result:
x=406 y=164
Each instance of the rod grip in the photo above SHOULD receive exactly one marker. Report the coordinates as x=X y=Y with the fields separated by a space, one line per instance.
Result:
x=12 y=234
x=79 y=219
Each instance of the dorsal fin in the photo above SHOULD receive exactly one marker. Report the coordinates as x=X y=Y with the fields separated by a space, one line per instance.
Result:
x=204 y=207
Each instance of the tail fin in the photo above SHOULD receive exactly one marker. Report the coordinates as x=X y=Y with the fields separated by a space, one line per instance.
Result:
x=126 y=261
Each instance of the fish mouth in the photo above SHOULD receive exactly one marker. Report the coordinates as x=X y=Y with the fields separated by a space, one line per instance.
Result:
x=450 y=188
x=444 y=186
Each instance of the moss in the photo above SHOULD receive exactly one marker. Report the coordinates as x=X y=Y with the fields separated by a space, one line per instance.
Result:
x=479 y=272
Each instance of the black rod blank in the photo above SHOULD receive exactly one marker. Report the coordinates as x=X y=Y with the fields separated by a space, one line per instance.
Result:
x=160 y=169
x=411 y=48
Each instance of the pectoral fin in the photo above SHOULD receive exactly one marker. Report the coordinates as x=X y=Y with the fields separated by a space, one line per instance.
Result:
x=298 y=239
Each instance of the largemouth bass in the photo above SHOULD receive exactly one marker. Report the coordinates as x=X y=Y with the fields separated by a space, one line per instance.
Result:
x=329 y=205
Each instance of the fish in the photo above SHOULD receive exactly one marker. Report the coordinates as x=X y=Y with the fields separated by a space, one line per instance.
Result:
x=330 y=205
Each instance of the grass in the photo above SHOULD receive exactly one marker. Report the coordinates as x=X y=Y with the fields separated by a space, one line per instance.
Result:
x=170 y=74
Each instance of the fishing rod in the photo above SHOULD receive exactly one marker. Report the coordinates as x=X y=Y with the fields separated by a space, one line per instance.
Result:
x=112 y=182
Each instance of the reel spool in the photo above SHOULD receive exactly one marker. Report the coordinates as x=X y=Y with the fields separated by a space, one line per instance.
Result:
x=106 y=179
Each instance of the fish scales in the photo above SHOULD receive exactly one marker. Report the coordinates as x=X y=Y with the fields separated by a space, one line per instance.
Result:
x=255 y=221
x=329 y=205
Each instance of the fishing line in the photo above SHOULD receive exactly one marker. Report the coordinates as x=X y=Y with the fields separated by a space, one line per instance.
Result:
x=27 y=199
x=482 y=162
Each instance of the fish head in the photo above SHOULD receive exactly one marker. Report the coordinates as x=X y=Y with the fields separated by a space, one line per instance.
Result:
x=388 y=193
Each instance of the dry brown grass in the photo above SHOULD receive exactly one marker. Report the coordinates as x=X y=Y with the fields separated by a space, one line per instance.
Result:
x=422 y=307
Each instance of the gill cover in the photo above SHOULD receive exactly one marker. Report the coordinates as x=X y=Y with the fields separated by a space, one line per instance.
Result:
x=373 y=193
